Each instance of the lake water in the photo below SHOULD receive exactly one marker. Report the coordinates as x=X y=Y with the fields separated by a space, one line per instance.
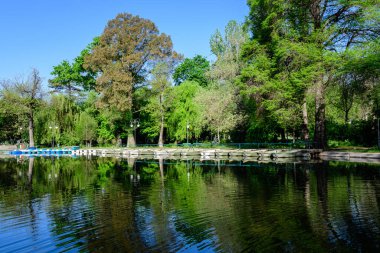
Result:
x=113 y=205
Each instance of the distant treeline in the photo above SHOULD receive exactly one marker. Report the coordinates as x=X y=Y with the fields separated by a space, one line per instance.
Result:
x=295 y=70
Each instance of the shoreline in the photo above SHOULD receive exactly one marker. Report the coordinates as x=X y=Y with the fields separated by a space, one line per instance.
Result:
x=228 y=154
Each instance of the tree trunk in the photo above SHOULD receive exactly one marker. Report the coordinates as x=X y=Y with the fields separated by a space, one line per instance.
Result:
x=320 y=138
x=283 y=138
x=161 y=138
x=131 y=140
x=346 y=112
x=119 y=141
x=31 y=129
x=305 y=125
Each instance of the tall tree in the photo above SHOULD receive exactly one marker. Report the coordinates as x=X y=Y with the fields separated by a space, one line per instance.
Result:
x=328 y=27
x=86 y=127
x=338 y=25
x=274 y=77
x=122 y=56
x=127 y=48
x=24 y=96
x=219 y=109
x=160 y=100
x=184 y=117
x=223 y=72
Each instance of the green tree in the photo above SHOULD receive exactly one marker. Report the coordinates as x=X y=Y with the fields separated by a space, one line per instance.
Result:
x=127 y=48
x=44 y=119
x=159 y=101
x=193 y=69
x=121 y=57
x=280 y=66
x=24 y=97
x=337 y=26
x=227 y=50
x=355 y=96
x=219 y=109
x=107 y=128
x=362 y=63
x=86 y=127
x=184 y=116
x=9 y=123
x=64 y=112
x=72 y=78
x=322 y=29
x=223 y=73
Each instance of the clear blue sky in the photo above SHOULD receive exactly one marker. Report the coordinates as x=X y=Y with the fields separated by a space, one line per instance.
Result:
x=42 y=33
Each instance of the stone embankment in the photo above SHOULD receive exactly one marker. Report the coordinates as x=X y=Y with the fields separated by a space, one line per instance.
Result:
x=230 y=154
x=350 y=156
x=290 y=155
x=7 y=147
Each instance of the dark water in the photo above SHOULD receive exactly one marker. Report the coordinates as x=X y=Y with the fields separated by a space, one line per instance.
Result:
x=109 y=205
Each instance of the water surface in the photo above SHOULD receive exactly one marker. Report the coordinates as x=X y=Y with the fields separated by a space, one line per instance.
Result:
x=113 y=205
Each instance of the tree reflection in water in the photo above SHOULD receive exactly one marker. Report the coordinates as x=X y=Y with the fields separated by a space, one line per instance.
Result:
x=108 y=204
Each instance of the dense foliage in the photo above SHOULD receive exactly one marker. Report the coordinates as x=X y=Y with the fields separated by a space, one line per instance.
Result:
x=295 y=70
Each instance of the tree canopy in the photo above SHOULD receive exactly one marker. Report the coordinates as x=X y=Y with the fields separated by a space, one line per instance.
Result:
x=299 y=45
x=23 y=97
x=71 y=78
x=122 y=58
x=295 y=70
x=192 y=69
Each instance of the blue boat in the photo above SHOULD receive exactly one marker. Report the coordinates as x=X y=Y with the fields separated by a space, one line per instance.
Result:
x=16 y=152
x=47 y=152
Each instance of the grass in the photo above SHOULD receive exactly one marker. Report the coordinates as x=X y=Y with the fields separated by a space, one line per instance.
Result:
x=347 y=146
x=356 y=149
